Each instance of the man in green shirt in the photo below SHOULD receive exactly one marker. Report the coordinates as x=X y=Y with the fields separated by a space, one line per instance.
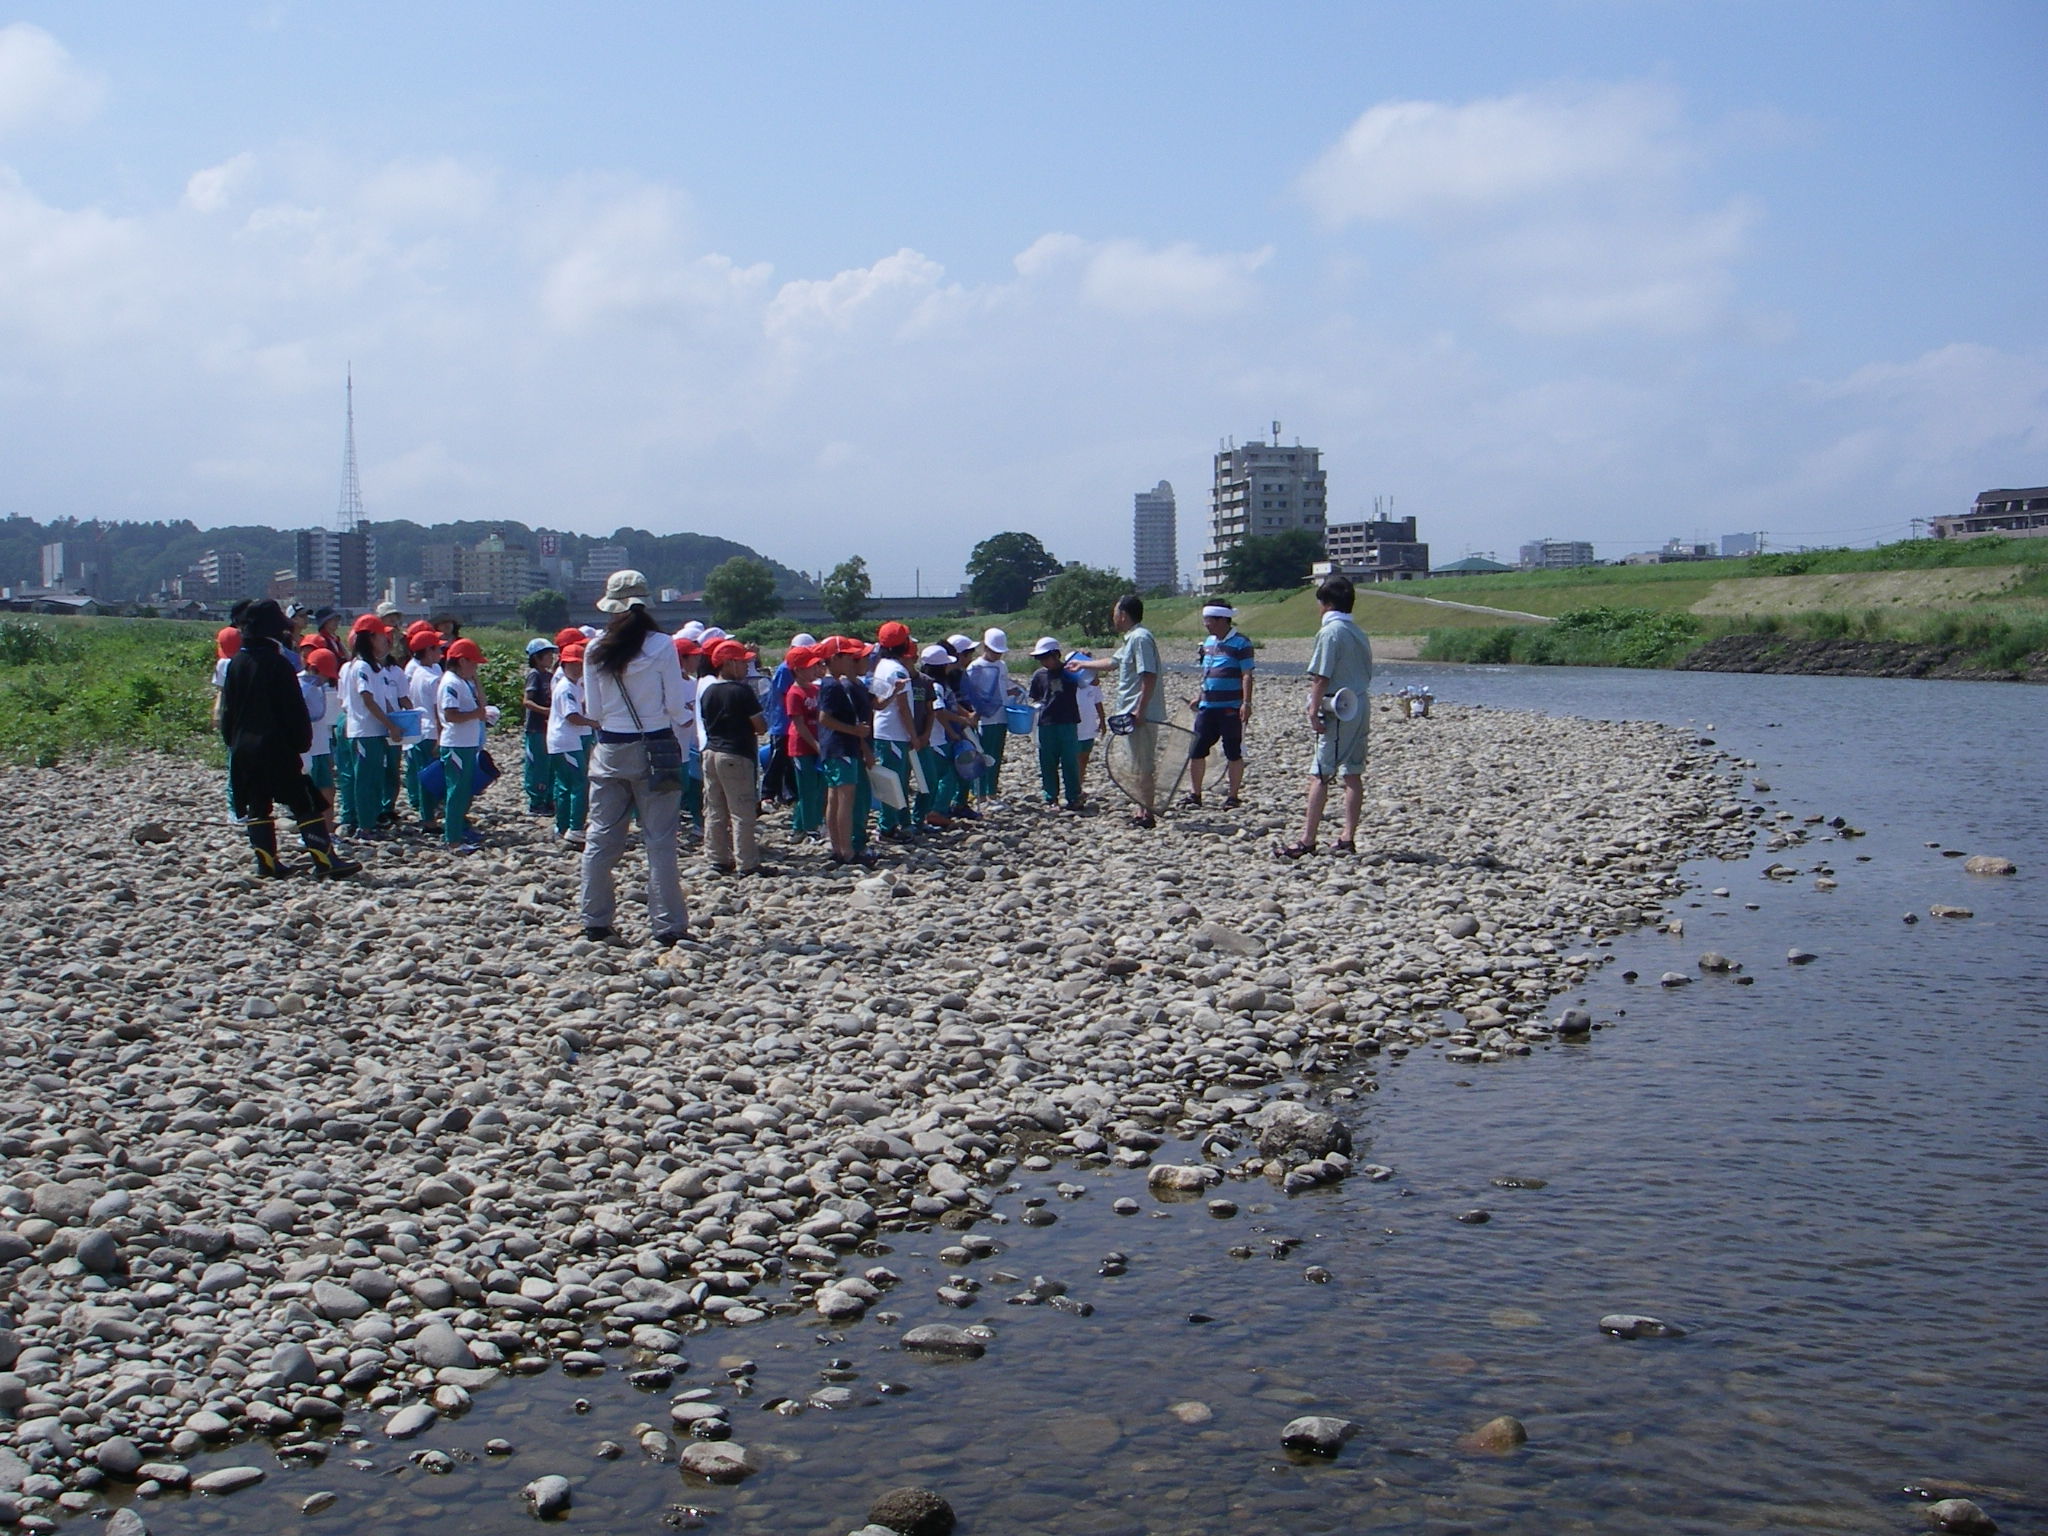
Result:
x=1138 y=694
x=1341 y=658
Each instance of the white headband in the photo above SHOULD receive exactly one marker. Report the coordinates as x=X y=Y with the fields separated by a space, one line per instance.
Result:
x=1219 y=611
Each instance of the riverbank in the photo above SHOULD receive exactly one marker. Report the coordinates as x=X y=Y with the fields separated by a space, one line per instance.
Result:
x=285 y=1154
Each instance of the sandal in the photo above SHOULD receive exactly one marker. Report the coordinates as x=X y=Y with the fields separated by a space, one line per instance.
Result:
x=1296 y=850
x=1230 y=802
x=1345 y=846
x=1145 y=819
x=1193 y=802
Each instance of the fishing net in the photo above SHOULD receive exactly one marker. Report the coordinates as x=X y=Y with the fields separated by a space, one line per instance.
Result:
x=1161 y=751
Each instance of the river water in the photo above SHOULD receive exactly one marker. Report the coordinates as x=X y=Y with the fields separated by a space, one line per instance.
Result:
x=1831 y=1177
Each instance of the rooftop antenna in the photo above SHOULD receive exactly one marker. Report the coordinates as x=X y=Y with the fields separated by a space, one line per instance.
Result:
x=1276 y=434
x=350 y=513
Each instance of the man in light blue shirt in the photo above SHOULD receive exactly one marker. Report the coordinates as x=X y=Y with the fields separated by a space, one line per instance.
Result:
x=1138 y=694
x=1341 y=660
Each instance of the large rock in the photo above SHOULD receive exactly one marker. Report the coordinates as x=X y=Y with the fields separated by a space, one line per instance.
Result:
x=1297 y=1133
x=1317 y=1434
x=1496 y=1437
x=944 y=1339
x=337 y=1303
x=911 y=1511
x=548 y=1497
x=1961 y=1516
x=413 y=1419
x=224 y=1480
x=440 y=1346
x=717 y=1461
x=1183 y=1178
x=1989 y=864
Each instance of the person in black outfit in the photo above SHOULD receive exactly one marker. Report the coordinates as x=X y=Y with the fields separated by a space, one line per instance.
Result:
x=263 y=721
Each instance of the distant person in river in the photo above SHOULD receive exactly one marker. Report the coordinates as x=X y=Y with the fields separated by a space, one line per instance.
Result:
x=264 y=722
x=1340 y=660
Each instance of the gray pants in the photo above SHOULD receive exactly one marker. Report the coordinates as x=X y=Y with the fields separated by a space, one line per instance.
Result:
x=730 y=807
x=618 y=786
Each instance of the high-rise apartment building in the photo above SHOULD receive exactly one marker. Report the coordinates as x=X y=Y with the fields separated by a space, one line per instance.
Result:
x=346 y=561
x=225 y=572
x=1155 y=538
x=1376 y=549
x=495 y=569
x=1262 y=489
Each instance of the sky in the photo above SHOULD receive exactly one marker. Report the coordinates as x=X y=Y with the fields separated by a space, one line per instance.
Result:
x=887 y=279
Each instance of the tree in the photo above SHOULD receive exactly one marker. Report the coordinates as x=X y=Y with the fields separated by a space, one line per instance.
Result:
x=1001 y=570
x=1079 y=599
x=1275 y=560
x=846 y=590
x=740 y=591
x=546 y=610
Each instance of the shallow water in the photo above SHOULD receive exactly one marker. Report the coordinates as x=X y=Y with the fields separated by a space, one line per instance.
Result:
x=1831 y=1178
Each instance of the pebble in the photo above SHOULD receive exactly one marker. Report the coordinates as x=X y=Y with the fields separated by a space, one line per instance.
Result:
x=1495 y=1437
x=1943 y=909
x=717 y=1461
x=1989 y=864
x=1961 y=1516
x=944 y=1339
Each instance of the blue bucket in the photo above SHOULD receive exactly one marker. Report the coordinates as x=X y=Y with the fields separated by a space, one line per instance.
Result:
x=1021 y=717
x=434 y=776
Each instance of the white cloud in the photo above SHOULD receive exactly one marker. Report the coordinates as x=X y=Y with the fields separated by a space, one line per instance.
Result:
x=1426 y=160
x=39 y=84
x=211 y=190
x=1132 y=279
x=889 y=292
x=628 y=258
x=1571 y=210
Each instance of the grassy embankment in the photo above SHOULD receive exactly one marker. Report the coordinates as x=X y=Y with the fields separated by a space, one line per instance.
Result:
x=1986 y=600
x=70 y=686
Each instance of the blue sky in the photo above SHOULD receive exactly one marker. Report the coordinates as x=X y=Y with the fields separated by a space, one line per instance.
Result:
x=883 y=280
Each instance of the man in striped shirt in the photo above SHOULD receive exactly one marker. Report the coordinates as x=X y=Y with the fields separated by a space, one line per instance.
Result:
x=1224 y=707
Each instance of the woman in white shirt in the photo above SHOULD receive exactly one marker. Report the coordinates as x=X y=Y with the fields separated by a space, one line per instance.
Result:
x=633 y=689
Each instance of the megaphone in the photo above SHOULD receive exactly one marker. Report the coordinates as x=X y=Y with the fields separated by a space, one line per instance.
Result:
x=1342 y=706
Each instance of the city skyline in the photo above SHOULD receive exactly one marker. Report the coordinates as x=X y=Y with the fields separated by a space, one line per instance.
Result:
x=1610 y=272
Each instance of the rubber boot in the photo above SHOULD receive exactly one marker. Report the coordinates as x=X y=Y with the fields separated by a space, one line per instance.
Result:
x=327 y=864
x=263 y=842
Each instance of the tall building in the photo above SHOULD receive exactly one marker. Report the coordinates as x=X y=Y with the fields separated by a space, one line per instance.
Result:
x=225 y=572
x=1734 y=545
x=346 y=562
x=1556 y=554
x=502 y=572
x=1155 y=539
x=76 y=564
x=1262 y=489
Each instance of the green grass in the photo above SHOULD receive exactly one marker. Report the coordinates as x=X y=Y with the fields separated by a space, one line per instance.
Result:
x=1644 y=637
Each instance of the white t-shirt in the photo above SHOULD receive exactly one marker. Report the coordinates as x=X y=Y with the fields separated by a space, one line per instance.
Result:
x=423 y=687
x=220 y=673
x=1088 y=698
x=566 y=700
x=360 y=681
x=458 y=694
x=891 y=679
x=321 y=708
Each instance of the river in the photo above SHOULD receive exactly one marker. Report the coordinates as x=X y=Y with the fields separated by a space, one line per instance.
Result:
x=1830 y=1175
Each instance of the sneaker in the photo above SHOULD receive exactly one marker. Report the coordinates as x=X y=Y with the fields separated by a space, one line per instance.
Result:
x=600 y=935
x=1230 y=802
x=573 y=838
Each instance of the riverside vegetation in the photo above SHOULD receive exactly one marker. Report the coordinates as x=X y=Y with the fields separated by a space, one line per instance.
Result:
x=290 y=1162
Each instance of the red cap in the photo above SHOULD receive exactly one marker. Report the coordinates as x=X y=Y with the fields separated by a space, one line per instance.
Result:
x=846 y=645
x=685 y=646
x=728 y=650
x=423 y=639
x=572 y=651
x=309 y=642
x=797 y=657
x=564 y=638
x=227 y=641
x=465 y=650
x=369 y=624
x=893 y=636
x=324 y=662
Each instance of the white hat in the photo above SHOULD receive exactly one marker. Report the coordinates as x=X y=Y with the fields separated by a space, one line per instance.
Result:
x=995 y=642
x=694 y=630
x=623 y=590
x=1218 y=611
x=960 y=645
x=1047 y=646
x=803 y=639
x=935 y=656
x=591 y=631
x=709 y=633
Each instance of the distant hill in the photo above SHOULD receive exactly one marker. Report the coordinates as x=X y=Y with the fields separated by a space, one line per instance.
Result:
x=140 y=556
